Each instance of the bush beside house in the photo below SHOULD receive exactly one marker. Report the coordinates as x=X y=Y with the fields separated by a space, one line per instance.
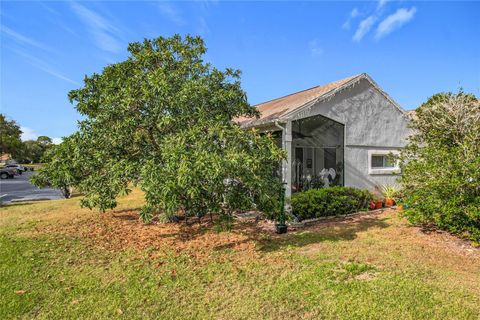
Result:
x=332 y=201
x=441 y=165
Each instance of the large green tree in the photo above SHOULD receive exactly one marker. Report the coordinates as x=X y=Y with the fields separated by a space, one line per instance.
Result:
x=44 y=141
x=32 y=151
x=163 y=120
x=441 y=164
x=10 y=133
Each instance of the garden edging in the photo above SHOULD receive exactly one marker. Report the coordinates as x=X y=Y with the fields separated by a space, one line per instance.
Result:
x=310 y=222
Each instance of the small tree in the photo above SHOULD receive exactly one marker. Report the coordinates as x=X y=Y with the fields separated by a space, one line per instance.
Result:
x=63 y=168
x=441 y=164
x=10 y=133
x=163 y=120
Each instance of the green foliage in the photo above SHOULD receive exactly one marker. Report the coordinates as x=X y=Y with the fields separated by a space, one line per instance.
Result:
x=29 y=151
x=207 y=170
x=64 y=166
x=441 y=164
x=163 y=120
x=10 y=133
x=44 y=140
x=32 y=151
x=389 y=191
x=329 y=201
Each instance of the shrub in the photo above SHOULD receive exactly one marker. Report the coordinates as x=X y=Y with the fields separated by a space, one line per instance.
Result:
x=330 y=201
x=441 y=165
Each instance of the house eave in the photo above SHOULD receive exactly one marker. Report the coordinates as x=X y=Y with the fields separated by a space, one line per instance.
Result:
x=299 y=112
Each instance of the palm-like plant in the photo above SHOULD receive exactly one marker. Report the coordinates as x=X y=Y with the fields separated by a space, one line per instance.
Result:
x=389 y=191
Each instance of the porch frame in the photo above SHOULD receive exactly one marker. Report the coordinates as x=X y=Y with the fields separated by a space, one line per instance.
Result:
x=287 y=145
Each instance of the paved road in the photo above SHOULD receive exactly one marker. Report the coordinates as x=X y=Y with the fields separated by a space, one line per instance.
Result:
x=19 y=188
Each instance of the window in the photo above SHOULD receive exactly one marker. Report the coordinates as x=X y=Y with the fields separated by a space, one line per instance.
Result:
x=381 y=162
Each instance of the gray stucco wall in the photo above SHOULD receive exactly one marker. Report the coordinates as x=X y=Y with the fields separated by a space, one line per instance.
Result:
x=371 y=122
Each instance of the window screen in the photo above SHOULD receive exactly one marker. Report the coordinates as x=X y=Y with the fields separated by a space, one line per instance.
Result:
x=382 y=161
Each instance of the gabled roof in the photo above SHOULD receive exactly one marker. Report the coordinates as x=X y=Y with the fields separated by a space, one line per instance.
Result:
x=280 y=108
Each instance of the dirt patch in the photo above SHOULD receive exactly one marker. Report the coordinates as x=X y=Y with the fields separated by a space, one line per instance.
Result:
x=119 y=230
x=448 y=241
x=365 y=276
x=249 y=238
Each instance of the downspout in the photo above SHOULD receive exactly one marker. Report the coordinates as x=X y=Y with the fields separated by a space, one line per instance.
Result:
x=284 y=146
x=287 y=209
x=281 y=128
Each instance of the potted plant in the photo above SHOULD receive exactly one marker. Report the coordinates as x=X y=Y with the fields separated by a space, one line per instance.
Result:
x=280 y=226
x=378 y=203
x=389 y=192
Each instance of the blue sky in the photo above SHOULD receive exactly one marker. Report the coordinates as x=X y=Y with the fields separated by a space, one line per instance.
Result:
x=411 y=49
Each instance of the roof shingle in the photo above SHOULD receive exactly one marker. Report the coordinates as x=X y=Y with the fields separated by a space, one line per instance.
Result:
x=274 y=109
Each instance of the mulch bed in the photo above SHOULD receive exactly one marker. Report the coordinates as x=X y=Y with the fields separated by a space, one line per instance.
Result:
x=122 y=230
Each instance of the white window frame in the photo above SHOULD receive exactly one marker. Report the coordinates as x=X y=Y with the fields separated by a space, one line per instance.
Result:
x=392 y=170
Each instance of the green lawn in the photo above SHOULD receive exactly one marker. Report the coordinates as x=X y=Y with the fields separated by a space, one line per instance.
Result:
x=60 y=261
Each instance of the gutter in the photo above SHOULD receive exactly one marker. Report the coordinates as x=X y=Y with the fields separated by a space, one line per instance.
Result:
x=278 y=125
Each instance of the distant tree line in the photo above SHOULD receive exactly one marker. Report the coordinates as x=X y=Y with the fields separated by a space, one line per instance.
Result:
x=30 y=151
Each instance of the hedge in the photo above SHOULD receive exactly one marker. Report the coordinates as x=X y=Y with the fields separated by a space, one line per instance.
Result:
x=330 y=201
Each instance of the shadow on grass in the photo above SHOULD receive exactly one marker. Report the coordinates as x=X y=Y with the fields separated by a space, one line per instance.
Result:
x=125 y=226
x=332 y=231
x=126 y=214
x=328 y=232
x=18 y=204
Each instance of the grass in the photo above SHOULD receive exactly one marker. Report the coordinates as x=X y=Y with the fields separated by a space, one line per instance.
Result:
x=60 y=261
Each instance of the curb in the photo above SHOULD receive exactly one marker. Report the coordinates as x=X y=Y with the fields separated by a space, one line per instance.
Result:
x=28 y=200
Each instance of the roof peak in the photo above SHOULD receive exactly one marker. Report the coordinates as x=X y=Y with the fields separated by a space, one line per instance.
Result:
x=311 y=88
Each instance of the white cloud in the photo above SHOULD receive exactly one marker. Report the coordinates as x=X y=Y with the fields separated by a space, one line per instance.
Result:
x=381 y=3
x=44 y=66
x=353 y=14
x=394 y=21
x=315 y=48
x=104 y=33
x=19 y=38
x=202 y=27
x=28 y=134
x=171 y=12
x=364 y=27
x=57 y=140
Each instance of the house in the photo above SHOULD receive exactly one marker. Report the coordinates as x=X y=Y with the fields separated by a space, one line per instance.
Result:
x=338 y=133
x=5 y=157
